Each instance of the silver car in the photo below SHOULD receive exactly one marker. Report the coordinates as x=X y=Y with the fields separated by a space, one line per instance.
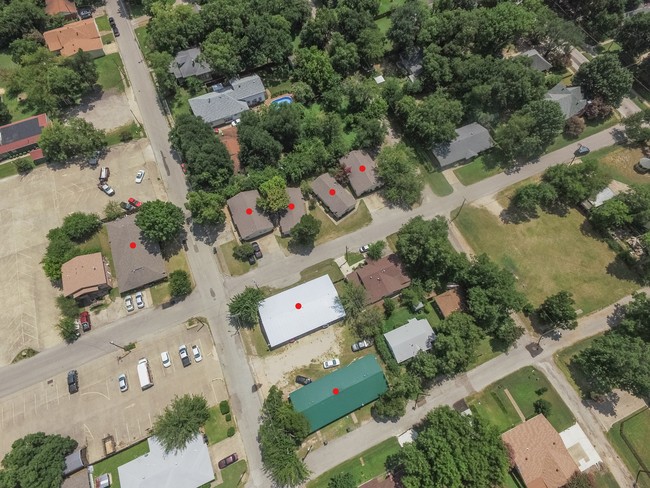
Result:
x=121 y=380
x=139 y=300
x=331 y=363
x=128 y=303
x=197 y=354
x=139 y=176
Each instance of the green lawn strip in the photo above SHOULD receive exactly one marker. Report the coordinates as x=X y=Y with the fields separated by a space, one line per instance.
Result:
x=328 y=267
x=115 y=136
x=373 y=464
x=100 y=241
x=180 y=105
x=438 y=183
x=549 y=254
x=143 y=40
x=391 y=240
x=573 y=373
x=232 y=474
x=102 y=23
x=591 y=129
x=109 y=69
x=110 y=465
x=353 y=258
x=216 y=428
x=487 y=349
x=235 y=266
x=605 y=479
x=352 y=222
x=108 y=39
x=281 y=88
x=401 y=315
x=8 y=169
x=480 y=168
x=636 y=428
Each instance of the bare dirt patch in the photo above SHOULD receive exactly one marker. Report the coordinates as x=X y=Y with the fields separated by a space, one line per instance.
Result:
x=108 y=111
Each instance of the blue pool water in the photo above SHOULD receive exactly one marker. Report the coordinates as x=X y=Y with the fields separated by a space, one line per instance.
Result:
x=286 y=99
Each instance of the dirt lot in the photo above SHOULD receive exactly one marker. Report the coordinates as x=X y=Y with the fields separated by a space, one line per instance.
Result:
x=100 y=409
x=29 y=207
x=108 y=111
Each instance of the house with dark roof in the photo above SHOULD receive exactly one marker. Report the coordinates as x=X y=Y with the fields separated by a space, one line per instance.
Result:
x=22 y=136
x=412 y=62
x=228 y=103
x=86 y=276
x=449 y=302
x=336 y=199
x=382 y=278
x=65 y=8
x=186 y=64
x=570 y=99
x=409 y=339
x=248 y=218
x=357 y=384
x=539 y=454
x=294 y=213
x=68 y=40
x=362 y=172
x=537 y=61
x=471 y=140
x=135 y=267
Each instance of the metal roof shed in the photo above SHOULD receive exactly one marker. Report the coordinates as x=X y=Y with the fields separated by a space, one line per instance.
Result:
x=357 y=384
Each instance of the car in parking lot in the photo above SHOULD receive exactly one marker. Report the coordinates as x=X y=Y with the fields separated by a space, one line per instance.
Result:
x=582 y=150
x=185 y=359
x=106 y=189
x=228 y=460
x=139 y=300
x=127 y=207
x=257 y=251
x=139 y=176
x=363 y=249
x=358 y=346
x=166 y=360
x=251 y=259
x=128 y=303
x=84 y=318
x=134 y=202
x=197 y=354
x=303 y=380
x=331 y=363
x=121 y=380
x=73 y=381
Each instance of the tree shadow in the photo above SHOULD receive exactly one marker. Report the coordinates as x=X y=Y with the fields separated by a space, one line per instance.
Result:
x=206 y=233
x=300 y=249
x=605 y=406
x=616 y=316
x=512 y=215
x=621 y=270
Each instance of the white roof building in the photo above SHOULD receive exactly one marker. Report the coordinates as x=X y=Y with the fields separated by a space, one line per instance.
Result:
x=406 y=341
x=300 y=310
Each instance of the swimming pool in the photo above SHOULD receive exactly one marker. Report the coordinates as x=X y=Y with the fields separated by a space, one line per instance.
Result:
x=285 y=99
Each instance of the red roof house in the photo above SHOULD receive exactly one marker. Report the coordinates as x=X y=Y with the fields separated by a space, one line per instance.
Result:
x=22 y=136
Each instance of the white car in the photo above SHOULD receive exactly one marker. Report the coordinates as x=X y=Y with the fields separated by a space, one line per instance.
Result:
x=167 y=362
x=139 y=300
x=331 y=363
x=128 y=303
x=364 y=249
x=139 y=176
x=121 y=380
x=107 y=189
x=197 y=354
x=235 y=122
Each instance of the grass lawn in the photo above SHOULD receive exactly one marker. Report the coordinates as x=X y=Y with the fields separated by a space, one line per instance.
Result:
x=6 y=63
x=216 y=428
x=605 y=479
x=492 y=404
x=108 y=39
x=180 y=105
x=383 y=24
x=100 y=241
x=373 y=464
x=391 y=240
x=102 y=23
x=574 y=374
x=591 y=129
x=328 y=267
x=114 y=137
x=402 y=314
x=636 y=429
x=511 y=482
x=8 y=169
x=611 y=46
x=480 y=168
x=549 y=254
x=438 y=183
x=110 y=69
x=280 y=88
x=388 y=5
x=160 y=292
x=235 y=266
x=232 y=474
x=353 y=258
x=143 y=40
x=354 y=221
x=618 y=162
x=111 y=464
x=487 y=349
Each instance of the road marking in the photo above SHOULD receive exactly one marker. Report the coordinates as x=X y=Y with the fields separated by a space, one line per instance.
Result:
x=89 y=432
x=95 y=392
x=129 y=406
x=139 y=427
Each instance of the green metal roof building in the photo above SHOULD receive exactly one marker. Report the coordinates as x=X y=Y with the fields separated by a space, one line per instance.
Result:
x=357 y=384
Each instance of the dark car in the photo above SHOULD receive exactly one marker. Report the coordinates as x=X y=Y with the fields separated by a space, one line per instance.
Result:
x=85 y=13
x=73 y=381
x=228 y=461
x=84 y=318
x=257 y=250
x=185 y=358
x=111 y=21
x=357 y=346
x=582 y=150
x=116 y=31
x=128 y=208
x=251 y=259
x=303 y=380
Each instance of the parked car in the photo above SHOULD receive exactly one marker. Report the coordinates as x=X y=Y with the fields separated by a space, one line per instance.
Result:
x=139 y=176
x=139 y=300
x=106 y=189
x=111 y=21
x=85 y=13
x=134 y=202
x=84 y=318
x=363 y=249
x=73 y=381
x=303 y=380
x=197 y=354
x=228 y=461
x=116 y=31
x=127 y=207
x=357 y=346
x=185 y=359
x=235 y=122
x=331 y=363
x=582 y=150
x=251 y=259
x=257 y=250
x=121 y=380
x=128 y=303
x=166 y=360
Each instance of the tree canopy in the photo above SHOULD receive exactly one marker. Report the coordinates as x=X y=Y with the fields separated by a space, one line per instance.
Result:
x=397 y=169
x=180 y=421
x=75 y=139
x=558 y=310
x=304 y=233
x=180 y=284
x=273 y=195
x=244 y=305
x=160 y=221
x=604 y=77
x=206 y=207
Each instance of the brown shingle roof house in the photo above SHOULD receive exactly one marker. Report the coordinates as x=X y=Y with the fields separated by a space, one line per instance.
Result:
x=247 y=216
x=85 y=275
x=539 y=454
x=69 y=39
x=449 y=302
x=137 y=266
x=294 y=213
x=337 y=199
x=64 y=7
x=362 y=172
x=382 y=278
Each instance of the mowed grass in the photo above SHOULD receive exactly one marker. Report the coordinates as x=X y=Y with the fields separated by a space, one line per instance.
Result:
x=636 y=429
x=8 y=169
x=493 y=405
x=388 y=5
x=368 y=465
x=232 y=474
x=109 y=69
x=402 y=314
x=477 y=170
x=216 y=428
x=352 y=222
x=591 y=129
x=111 y=464
x=574 y=373
x=143 y=40
x=102 y=23
x=115 y=136
x=160 y=293
x=549 y=254
x=618 y=163
x=235 y=266
x=17 y=109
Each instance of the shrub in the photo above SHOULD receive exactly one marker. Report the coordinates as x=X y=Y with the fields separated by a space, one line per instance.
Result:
x=180 y=284
x=542 y=406
x=389 y=306
x=113 y=211
x=541 y=391
x=224 y=408
x=67 y=306
x=68 y=330
x=24 y=165
x=228 y=417
x=243 y=251
x=385 y=354
x=125 y=134
x=231 y=431
x=574 y=126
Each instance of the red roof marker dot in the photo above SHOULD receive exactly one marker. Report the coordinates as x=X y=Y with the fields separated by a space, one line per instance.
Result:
x=249 y=211
x=335 y=391
x=362 y=168
x=291 y=206
x=298 y=306
x=332 y=192
x=132 y=245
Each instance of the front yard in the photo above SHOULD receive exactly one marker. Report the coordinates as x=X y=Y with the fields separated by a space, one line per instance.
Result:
x=352 y=222
x=618 y=163
x=480 y=168
x=160 y=292
x=573 y=373
x=234 y=265
x=630 y=439
x=216 y=428
x=110 y=69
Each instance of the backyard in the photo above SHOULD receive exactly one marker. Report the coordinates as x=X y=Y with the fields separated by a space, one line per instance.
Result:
x=110 y=465
x=17 y=109
x=526 y=386
x=402 y=314
x=630 y=439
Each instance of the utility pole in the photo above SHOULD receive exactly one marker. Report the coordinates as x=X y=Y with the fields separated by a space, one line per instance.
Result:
x=121 y=347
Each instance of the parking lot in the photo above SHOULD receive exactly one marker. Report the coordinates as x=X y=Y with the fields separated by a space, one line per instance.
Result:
x=99 y=408
x=33 y=204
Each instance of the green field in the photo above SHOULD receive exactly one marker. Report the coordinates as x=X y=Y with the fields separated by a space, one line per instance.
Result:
x=549 y=254
x=493 y=405
x=477 y=170
x=109 y=69
x=636 y=451
x=353 y=221
x=110 y=465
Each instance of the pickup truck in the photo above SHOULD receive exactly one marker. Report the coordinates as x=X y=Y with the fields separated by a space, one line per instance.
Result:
x=185 y=358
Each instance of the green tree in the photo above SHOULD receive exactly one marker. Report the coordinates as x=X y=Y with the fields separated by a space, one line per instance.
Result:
x=273 y=195
x=174 y=27
x=342 y=480
x=423 y=366
x=82 y=64
x=376 y=249
x=284 y=123
x=613 y=214
x=457 y=338
x=542 y=406
x=636 y=321
x=604 y=77
x=368 y=323
x=20 y=17
x=75 y=140
x=370 y=132
x=258 y=148
x=67 y=306
x=180 y=421
x=344 y=55
x=574 y=126
x=68 y=329
x=636 y=127
x=206 y=207
x=315 y=68
x=634 y=36
x=59 y=250
x=434 y=120
x=581 y=480
x=397 y=169
x=160 y=221
x=243 y=251
x=353 y=299
x=113 y=211
x=36 y=461
x=406 y=24
x=220 y=50
x=180 y=284
x=245 y=304
x=577 y=182
x=79 y=226
x=165 y=80
x=22 y=46
x=306 y=230
x=559 y=311
x=24 y=165
x=389 y=306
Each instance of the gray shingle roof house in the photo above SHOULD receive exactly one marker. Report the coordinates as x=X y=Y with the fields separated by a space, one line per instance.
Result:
x=339 y=201
x=362 y=172
x=537 y=60
x=412 y=62
x=294 y=213
x=226 y=104
x=570 y=98
x=247 y=216
x=472 y=139
x=135 y=267
x=409 y=339
x=185 y=65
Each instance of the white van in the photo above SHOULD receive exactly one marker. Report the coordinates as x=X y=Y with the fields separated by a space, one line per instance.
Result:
x=104 y=173
x=144 y=374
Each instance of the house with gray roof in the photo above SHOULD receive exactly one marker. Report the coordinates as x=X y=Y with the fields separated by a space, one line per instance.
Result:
x=336 y=199
x=537 y=60
x=185 y=64
x=409 y=339
x=471 y=140
x=294 y=213
x=570 y=98
x=362 y=172
x=138 y=266
x=225 y=104
x=412 y=62
x=248 y=218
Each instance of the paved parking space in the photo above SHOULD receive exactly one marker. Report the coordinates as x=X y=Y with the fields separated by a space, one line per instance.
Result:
x=100 y=409
x=29 y=207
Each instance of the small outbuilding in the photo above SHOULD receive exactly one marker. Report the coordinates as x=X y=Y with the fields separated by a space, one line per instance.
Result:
x=336 y=199
x=248 y=218
x=449 y=302
x=409 y=339
x=362 y=172
x=643 y=166
x=294 y=213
